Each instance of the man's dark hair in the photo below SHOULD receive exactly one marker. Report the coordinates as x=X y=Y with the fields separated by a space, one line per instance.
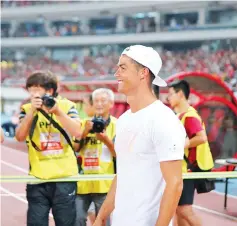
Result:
x=152 y=77
x=89 y=98
x=46 y=80
x=181 y=85
x=156 y=90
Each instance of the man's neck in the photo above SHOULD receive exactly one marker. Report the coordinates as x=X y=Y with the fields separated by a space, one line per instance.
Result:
x=182 y=107
x=140 y=100
x=105 y=116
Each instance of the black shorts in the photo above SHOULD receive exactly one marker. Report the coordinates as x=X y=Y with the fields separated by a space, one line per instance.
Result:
x=187 y=195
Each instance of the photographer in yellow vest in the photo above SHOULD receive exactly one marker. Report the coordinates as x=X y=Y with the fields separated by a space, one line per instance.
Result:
x=89 y=109
x=47 y=124
x=197 y=154
x=96 y=154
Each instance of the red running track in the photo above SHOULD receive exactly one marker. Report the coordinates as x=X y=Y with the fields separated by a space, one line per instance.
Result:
x=14 y=205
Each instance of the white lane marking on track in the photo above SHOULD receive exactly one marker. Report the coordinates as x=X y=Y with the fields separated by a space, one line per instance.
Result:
x=14 y=166
x=17 y=194
x=215 y=212
x=13 y=195
x=16 y=197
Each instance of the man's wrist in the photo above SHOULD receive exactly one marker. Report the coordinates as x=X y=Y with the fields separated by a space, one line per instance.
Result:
x=106 y=140
x=84 y=134
x=100 y=218
x=58 y=112
x=32 y=110
x=105 y=137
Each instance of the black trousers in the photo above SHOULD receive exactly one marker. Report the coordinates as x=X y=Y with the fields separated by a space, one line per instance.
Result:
x=58 y=196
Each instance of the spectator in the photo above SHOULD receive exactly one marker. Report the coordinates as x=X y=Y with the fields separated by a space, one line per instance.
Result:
x=221 y=63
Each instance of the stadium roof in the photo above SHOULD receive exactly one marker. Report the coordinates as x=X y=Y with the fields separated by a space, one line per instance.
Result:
x=106 y=8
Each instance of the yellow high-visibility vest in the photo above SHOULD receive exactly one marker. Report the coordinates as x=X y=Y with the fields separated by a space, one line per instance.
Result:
x=203 y=152
x=96 y=159
x=56 y=159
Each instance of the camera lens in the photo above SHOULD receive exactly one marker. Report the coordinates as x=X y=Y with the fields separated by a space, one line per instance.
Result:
x=50 y=103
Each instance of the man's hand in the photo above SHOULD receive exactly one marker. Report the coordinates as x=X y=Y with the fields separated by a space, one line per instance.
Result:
x=55 y=109
x=101 y=136
x=106 y=140
x=187 y=143
x=87 y=129
x=99 y=222
x=107 y=206
x=36 y=102
x=88 y=126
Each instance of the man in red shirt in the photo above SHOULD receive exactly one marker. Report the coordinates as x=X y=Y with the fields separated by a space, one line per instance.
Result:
x=178 y=99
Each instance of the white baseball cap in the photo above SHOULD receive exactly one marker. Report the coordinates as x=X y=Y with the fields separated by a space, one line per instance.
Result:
x=147 y=57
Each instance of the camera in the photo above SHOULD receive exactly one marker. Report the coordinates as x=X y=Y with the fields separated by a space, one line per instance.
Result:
x=98 y=125
x=48 y=101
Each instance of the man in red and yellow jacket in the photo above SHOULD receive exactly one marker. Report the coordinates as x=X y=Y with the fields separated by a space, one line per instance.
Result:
x=197 y=153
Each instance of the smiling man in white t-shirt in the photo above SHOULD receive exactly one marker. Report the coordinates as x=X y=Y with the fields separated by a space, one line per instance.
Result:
x=149 y=146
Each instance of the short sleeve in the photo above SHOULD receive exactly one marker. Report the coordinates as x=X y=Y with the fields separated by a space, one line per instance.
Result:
x=73 y=113
x=22 y=114
x=192 y=126
x=168 y=137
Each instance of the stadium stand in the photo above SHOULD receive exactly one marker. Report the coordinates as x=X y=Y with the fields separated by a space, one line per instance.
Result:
x=221 y=62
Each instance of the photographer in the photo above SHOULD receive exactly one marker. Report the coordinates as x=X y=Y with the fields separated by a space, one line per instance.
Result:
x=45 y=124
x=89 y=109
x=96 y=152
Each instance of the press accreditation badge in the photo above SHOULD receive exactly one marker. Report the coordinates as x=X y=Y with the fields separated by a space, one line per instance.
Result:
x=51 y=144
x=91 y=159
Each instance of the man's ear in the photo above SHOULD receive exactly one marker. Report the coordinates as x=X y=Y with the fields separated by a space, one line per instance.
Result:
x=144 y=73
x=50 y=91
x=181 y=94
x=111 y=104
x=141 y=74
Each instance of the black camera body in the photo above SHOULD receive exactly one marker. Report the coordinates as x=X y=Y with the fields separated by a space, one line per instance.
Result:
x=48 y=101
x=99 y=125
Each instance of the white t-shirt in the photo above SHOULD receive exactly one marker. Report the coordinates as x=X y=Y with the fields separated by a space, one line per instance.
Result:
x=143 y=140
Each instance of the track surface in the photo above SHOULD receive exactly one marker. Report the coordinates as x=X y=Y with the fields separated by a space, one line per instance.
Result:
x=14 y=204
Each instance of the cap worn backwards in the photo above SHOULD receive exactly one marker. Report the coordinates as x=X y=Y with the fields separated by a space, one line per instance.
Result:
x=147 y=57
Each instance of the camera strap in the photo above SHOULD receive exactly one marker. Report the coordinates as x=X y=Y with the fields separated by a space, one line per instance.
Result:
x=54 y=123
x=32 y=128
x=193 y=167
x=107 y=121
